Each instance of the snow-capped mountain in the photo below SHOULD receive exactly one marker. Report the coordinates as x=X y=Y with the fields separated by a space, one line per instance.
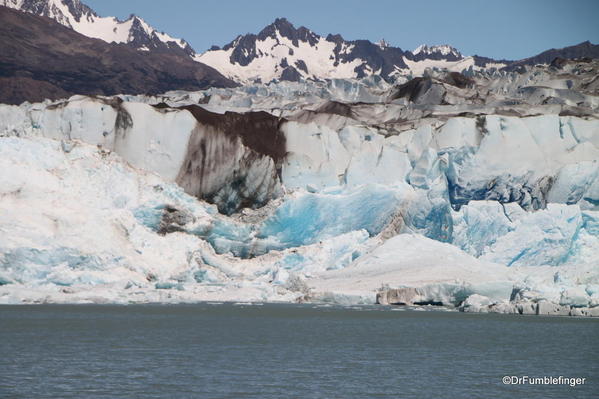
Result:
x=281 y=51
x=445 y=51
x=81 y=18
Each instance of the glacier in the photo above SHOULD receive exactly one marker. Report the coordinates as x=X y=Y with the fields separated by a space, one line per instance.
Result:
x=338 y=194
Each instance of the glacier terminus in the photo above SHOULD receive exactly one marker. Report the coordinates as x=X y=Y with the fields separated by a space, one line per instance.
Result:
x=316 y=170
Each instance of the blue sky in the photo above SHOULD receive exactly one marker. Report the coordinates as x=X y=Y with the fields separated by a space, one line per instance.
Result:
x=510 y=29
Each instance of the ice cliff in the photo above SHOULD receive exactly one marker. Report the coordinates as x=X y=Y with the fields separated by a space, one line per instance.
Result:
x=329 y=191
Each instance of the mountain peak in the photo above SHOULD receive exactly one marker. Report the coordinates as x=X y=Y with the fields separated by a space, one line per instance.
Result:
x=382 y=43
x=443 y=49
x=74 y=14
x=283 y=22
x=280 y=24
x=283 y=28
x=298 y=53
x=437 y=52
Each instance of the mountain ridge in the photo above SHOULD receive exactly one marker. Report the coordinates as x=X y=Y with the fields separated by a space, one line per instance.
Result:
x=249 y=58
x=283 y=52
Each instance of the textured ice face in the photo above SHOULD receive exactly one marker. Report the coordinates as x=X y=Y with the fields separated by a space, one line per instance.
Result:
x=496 y=203
x=308 y=218
x=517 y=160
x=301 y=219
x=545 y=237
x=69 y=237
x=531 y=161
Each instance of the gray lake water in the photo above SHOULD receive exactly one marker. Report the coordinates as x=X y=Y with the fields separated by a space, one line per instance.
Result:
x=288 y=351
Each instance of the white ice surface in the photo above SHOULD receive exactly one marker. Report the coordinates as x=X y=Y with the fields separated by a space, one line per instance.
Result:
x=78 y=222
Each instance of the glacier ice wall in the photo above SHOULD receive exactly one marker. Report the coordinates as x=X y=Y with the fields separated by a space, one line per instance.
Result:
x=174 y=199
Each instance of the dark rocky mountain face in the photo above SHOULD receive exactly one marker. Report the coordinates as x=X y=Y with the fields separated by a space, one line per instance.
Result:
x=581 y=50
x=286 y=29
x=40 y=58
x=385 y=59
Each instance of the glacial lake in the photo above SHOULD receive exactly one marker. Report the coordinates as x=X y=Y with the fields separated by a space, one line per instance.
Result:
x=288 y=351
